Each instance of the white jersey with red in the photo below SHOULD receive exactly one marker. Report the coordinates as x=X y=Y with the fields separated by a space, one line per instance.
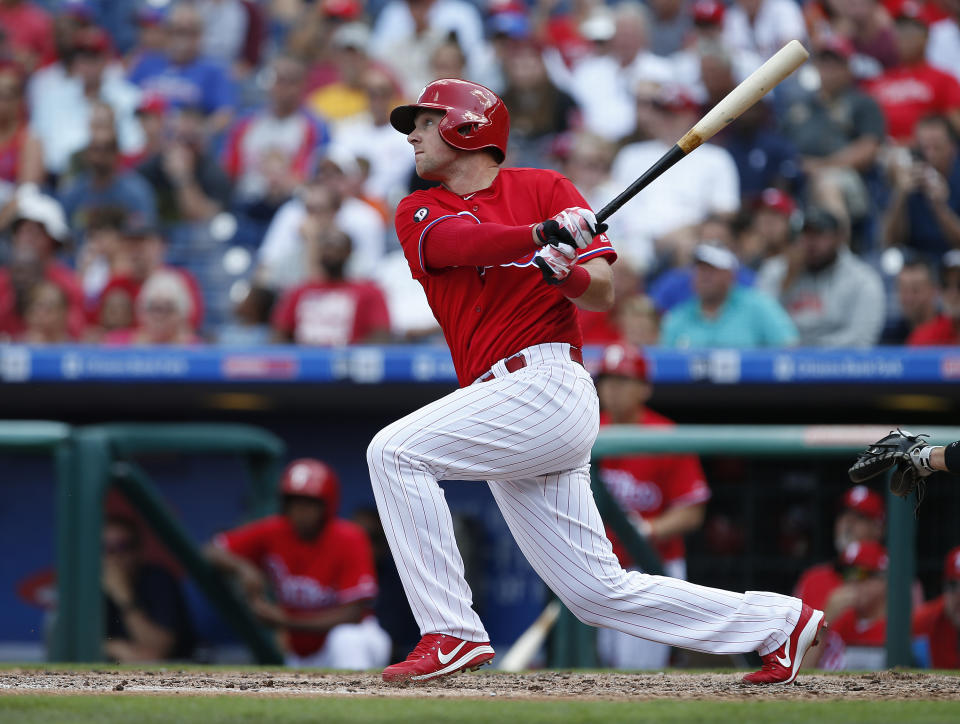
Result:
x=490 y=313
x=524 y=420
x=652 y=484
x=334 y=569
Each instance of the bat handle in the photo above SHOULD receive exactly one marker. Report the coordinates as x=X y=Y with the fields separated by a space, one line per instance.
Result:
x=666 y=161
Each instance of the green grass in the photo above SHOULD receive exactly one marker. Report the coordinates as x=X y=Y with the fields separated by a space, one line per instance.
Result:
x=238 y=709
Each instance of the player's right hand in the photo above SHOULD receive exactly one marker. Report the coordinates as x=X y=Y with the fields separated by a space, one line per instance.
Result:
x=555 y=262
x=574 y=226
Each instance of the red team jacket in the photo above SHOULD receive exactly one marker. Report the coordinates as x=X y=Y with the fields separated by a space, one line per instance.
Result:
x=490 y=313
x=307 y=576
x=932 y=624
x=649 y=484
x=332 y=314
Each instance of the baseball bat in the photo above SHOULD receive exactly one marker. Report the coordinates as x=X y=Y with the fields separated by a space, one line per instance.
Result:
x=525 y=648
x=786 y=60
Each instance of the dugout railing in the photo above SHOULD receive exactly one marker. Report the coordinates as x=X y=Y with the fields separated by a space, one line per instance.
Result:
x=88 y=461
x=573 y=644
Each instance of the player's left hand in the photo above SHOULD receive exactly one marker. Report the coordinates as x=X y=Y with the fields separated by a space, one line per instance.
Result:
x=555 y=262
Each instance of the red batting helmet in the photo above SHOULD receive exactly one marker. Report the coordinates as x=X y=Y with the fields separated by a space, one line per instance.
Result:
x=623 y=360
x=311 y=478
x=474 y=116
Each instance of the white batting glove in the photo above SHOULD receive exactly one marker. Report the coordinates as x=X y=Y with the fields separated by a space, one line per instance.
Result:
x=556 y=262
x=574 y=226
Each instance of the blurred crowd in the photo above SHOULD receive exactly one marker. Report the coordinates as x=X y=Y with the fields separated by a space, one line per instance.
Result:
x=224 y=171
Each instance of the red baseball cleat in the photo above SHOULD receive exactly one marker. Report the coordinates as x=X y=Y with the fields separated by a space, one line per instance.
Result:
x=439 y=655
x=781 y=666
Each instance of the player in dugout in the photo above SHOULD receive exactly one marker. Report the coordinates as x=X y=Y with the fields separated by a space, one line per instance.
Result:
x=936 y=623
x=664 y=496
x=320 y=569
x=506 y=256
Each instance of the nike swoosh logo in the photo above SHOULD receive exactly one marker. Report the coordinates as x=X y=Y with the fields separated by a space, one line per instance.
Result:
x=785 y=662
x=445 y=658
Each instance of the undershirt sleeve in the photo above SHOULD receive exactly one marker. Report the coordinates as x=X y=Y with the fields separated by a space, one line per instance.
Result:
x=457 y=241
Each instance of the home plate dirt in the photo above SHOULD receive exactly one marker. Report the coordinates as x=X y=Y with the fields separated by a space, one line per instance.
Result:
x=535 y=685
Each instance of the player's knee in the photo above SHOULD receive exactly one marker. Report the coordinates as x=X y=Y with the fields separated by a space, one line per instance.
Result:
x=383 y=452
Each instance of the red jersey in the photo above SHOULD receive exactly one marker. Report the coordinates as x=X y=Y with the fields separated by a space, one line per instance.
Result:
x=332 y=314
x=859 y=632
x=334 y=569
x=651 y=484
x=489 y=313
x=816 y=584
x=938 y=331
x=13 y=325
x=931 y=623
x=907 y=94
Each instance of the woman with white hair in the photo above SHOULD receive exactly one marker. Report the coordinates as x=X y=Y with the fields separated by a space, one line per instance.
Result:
x=164 y=308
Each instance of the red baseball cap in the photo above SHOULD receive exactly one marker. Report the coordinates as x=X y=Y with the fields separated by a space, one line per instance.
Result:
x=342 y=9
x=838 y=45
x=623 y=360
x=152 y=103
x=866 y=554
x=676 y=98
x=864 y=501
x=776 y=200
x=92 y=40
x=913 y=10
x=708 y=12
x=951 y=566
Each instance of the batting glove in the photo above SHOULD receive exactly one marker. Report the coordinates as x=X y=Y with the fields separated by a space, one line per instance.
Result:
x=575 y=226
x=555 y=262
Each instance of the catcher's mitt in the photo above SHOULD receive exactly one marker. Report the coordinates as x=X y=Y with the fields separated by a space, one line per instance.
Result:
x=909 y=453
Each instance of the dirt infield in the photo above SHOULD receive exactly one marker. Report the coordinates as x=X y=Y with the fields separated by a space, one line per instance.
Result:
x=536 y=685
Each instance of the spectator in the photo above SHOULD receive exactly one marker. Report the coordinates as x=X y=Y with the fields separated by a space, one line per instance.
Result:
x=706 y=183
x=153 y=118
x=601 y=83
x=448 y=60
x=320 y=569
x=675 y=285
x=146 y=613
x=21 y=151
x=918 y=295
x=944 y=329
x=251 y=318
x=724 y=314
x=271 y=152
x=937 y=623
x=141 y=254
x=857 y=611
x=769 y=228
x=923 y=213
x=327 y=309
x=91 y=79
x=184 y=76
x=838 y=130
x=100 y=257
x=39 y=232
x=763 y=26
x=834 y=298
x=225 y=25
x=104 y=183
x=861 y=520
x=164 y=308
x=588 y=161
x=867 y=24
x=372 y=137
x=30 y=32
x=151 y=36
x=189 y=185
x=406 y=32
x=664 y=496
x=344 y=98
x=332 y=190
x=670 y=23
x=914 y=89
x=943 y=48
x=539 y=111
x=625 y=320
x=46 y=315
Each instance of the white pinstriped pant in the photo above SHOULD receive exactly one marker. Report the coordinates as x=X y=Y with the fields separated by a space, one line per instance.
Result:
x=529 y=434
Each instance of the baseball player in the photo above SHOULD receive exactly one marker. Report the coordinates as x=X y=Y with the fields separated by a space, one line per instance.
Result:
x=665 y=496
x=506 y=256
x=937 y=623
x=320 y=568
